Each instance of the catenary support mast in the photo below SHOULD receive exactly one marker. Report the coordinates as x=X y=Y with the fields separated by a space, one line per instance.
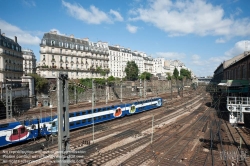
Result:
x=63 y=119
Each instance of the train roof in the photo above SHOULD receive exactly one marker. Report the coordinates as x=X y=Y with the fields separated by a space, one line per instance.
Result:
x=4 y=121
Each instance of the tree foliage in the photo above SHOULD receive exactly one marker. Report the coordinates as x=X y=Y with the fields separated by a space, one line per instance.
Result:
x=145 y=75
x=176 y=73
x=132 y=71
x=185 y=73
x=40 y=82
x=87 y=82
x=169 y=76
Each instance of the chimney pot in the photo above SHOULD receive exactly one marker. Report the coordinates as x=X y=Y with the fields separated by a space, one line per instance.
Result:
x=15 y=39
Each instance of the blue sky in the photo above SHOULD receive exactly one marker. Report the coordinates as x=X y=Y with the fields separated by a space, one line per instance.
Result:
x=200 y=33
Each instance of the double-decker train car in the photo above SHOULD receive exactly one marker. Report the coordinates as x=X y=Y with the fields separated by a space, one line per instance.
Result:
x=13 y=131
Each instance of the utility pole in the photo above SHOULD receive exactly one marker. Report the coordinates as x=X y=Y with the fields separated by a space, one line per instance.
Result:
x=182 y=87
x=171 y=89
x=106 y=92
x=93 y=104
x=8 y=92
x=121 y=89
x=152 y=129
x=145 y=88
x=41 y=114
x=63 y=119
x=75 y=93
x=140 y=89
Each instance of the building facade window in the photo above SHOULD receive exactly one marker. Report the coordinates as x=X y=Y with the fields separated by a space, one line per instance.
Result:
x=53 y=42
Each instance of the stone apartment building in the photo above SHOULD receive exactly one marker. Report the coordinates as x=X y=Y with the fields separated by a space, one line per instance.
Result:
x=118 y=58
x=80 y=58
x=11 y=61
x=29 y=61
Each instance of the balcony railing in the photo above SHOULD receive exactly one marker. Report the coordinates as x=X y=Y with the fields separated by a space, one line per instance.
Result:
x=11 y=70
x=9 y=54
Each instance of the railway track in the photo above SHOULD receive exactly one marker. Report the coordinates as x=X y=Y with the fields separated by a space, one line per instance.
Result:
x=122 y=135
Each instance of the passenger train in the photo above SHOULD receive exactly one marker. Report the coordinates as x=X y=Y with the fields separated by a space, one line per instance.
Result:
x=13 y=131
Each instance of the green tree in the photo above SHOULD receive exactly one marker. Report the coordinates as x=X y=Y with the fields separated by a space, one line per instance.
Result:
x=169 y=76
x=145 y=75
x=111 y=80
x=40 y=82
x=185 y=73
x=87 y=82
x=132 y=71
x=176 y=73
x=180 y=77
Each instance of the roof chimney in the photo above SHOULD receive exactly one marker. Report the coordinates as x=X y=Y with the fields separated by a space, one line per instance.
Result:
x=15 y=39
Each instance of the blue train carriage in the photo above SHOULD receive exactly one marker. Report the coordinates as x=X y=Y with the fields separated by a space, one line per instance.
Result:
x=13 y=131
x=144 y=105
x=102 y=114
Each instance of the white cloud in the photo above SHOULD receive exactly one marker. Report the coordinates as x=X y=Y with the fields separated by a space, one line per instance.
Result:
x=238 y=11
x=23 y=37
x=171 y=55
x=131 y=28
x=196 y=60
x=191 y=17
x=29 y=3
x=238 y=48
x=92 y=15
x=117 y=15
x=220 y=40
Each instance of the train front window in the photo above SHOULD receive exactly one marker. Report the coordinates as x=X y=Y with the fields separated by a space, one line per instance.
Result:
x=53 y=124
x=22 y=130
x=15 y=131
